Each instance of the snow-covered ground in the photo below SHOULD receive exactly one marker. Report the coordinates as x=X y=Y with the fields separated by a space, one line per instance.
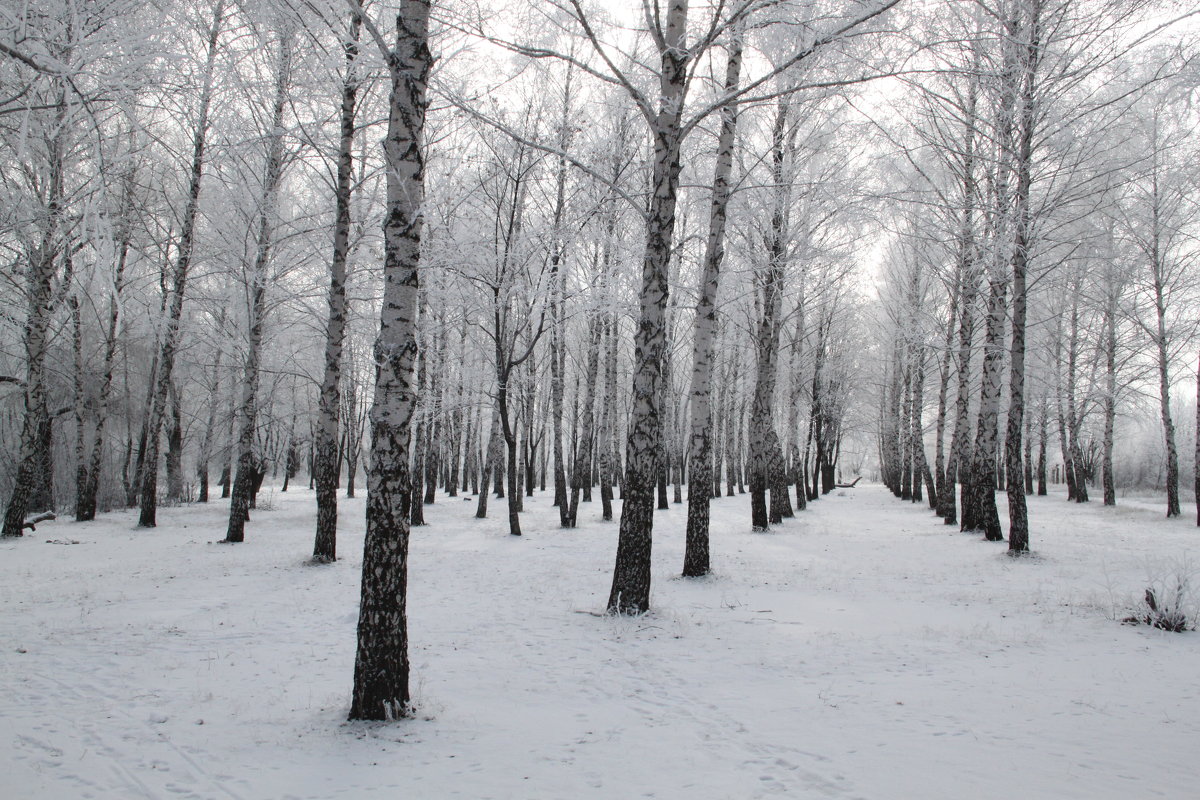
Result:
x=862 y=650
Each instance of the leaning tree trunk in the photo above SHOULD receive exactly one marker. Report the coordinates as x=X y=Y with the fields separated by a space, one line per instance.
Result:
x=148 y=474
x=325 y=460
x=381 y=664
x=248 y=466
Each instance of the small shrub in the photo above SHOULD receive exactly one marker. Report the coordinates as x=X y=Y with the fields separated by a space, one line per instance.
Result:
x=1169 y=602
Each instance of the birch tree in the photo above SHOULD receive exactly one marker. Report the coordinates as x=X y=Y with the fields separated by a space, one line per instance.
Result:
x=381 y=666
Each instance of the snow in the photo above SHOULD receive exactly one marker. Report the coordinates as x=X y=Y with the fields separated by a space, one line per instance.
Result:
x=862 y=650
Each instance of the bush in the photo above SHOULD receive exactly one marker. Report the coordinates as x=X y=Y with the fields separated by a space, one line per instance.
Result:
x=1169 y=603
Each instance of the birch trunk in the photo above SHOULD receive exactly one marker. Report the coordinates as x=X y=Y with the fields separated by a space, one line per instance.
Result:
x=489 y=460
x=630 y=592
x=700 y=476
x=967 y=268
x=148 y=472
x=249 y=466
x=1163 y=360
x=40 y=297
x=1110 y=395
x=582 y=472
x=608 y=428
x=214 y=399
x=325 y=460
x=85 y=508
x=1018 y=515
x=381 y=665
x=763 y=439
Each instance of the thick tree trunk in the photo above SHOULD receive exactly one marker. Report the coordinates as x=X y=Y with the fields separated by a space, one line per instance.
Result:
x=381 y=665
x=630 y=592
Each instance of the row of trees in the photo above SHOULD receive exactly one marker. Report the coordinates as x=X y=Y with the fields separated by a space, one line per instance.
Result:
x=628 y=264
x=1053 y=209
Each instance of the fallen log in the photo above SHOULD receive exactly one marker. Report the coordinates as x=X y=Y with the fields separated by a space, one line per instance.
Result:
x=32 y=522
